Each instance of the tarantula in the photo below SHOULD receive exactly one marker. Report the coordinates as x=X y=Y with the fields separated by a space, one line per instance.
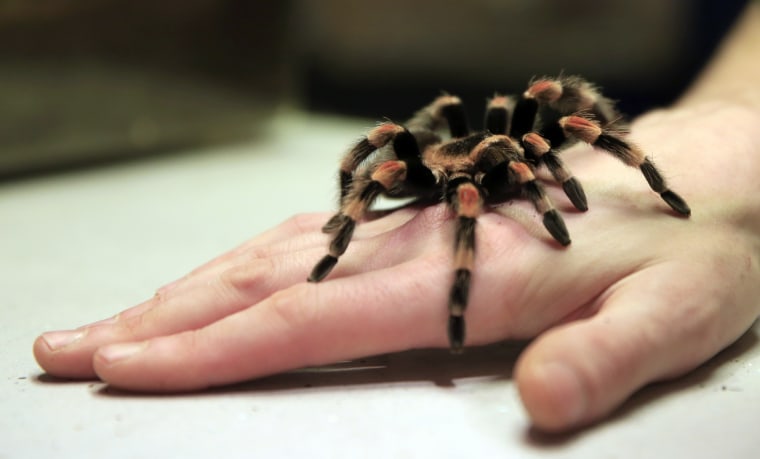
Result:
x=471 y=170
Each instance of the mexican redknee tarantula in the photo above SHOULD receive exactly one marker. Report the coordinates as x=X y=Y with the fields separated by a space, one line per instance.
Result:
x=472 y=169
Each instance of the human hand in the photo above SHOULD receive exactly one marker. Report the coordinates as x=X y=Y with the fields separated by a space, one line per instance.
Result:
x=641 y=295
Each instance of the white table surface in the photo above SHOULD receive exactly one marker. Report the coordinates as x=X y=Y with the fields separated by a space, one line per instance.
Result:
x=81 y=246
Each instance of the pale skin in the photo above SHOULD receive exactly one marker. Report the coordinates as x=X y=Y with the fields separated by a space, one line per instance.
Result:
x=640 y=295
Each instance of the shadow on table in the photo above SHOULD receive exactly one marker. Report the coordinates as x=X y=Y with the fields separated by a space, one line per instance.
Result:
x=439 y=367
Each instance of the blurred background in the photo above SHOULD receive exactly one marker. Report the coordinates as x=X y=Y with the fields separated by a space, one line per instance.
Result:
x=89 y=81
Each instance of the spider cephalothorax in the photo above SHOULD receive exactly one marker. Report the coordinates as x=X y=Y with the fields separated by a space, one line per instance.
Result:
x=470 y=170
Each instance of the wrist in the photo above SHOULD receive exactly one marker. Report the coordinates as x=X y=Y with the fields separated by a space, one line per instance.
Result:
x=733 y=72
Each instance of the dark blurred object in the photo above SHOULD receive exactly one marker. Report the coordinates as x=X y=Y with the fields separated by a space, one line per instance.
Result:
x=88 y=80
x=388 y=58
x=84 y=81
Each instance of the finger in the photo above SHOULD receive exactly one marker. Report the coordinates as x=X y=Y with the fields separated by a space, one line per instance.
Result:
x=649 y=328
x=69 y=353
x=298 y=250
x=307 y=324
x=220 y=291
x=297 y=233
x=304 y=230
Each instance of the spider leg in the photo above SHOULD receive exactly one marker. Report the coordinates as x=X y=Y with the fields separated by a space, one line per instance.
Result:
x=539 y=149
x=515 y=171
x=404 y=146
x=498 y=114
x=523 y=117
x=363 y=192
x=377 y=138
x=445 y=109
x=590 y=132
x=572 y=94
x=552 y=220
x=466 y=199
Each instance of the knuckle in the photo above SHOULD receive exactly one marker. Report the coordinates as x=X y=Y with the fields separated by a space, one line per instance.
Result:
x=254 y=253
x=165 y=292
x=248 y=278
x=293 y=307
x=134 y=327
x=304 y=223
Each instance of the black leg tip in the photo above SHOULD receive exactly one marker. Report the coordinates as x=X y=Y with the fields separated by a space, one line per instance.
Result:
x=323 y=268
x=575 y=193
x=556 y=226
x=676 y=202
x=456 y=334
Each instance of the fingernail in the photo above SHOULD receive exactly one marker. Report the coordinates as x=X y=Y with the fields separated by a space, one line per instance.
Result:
x=57 y=340
x=570 y=398
x=115 y=353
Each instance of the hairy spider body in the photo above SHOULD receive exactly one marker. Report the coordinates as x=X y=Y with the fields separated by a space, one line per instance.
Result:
x=470 y=170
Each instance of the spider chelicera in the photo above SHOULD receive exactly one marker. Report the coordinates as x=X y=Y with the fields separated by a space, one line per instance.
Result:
x=470 y=170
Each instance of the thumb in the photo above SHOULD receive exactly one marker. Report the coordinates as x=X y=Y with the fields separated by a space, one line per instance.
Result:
x=650 y=326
